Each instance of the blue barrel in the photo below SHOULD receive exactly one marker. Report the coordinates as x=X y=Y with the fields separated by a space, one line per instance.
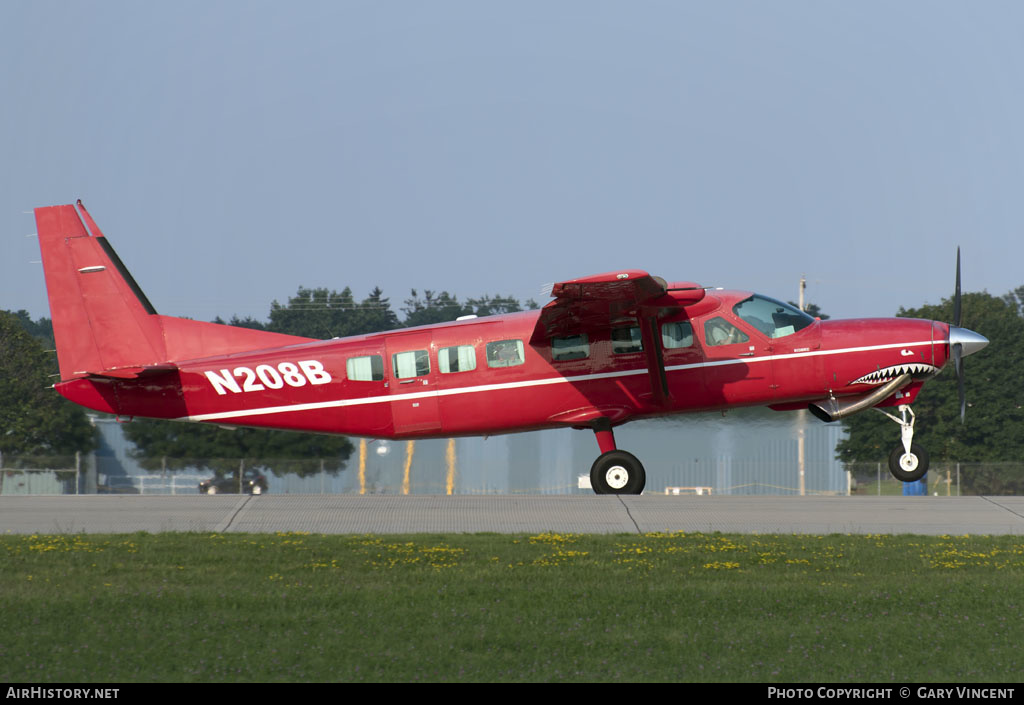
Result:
x=916 y=489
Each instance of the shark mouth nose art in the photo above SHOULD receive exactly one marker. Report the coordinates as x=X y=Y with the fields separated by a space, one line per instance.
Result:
x=917 y=369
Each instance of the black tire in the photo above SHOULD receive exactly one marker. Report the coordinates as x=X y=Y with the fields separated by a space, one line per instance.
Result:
x=908 y=468
x=617 y=472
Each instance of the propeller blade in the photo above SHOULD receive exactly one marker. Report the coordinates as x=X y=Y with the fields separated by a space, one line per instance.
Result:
x=962 y=342
x=958 y=367
x=956 y=293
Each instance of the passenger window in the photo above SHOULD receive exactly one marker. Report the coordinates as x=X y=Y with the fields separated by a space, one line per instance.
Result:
x=574 y=347
x=413 y=363
x=457 y=359
x=677 y=335
x=719 y=331
x=505 y=353
x=626 y=340
x=365 y=369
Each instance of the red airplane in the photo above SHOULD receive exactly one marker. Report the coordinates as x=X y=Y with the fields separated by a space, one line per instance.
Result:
x=608 y=349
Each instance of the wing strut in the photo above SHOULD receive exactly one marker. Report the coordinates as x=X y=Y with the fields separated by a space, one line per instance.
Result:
x=655 y=358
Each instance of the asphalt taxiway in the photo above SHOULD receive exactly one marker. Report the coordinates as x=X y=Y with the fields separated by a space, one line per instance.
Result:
x=391 y=514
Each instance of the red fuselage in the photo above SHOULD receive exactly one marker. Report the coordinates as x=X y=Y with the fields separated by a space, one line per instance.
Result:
x=485 y=376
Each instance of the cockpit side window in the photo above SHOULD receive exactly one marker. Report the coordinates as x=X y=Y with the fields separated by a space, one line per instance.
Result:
x=719 y=331
x=773 y=318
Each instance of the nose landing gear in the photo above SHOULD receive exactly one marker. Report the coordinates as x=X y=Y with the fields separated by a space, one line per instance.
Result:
x=908 y=461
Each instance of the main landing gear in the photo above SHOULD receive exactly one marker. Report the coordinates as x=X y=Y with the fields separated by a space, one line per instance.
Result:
x=615 y=471
x=908 y=461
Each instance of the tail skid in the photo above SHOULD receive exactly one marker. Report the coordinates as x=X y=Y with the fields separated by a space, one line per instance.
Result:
x=103 y=324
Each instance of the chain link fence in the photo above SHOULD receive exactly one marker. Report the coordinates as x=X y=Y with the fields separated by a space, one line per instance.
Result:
x=26 y=474
x=379 y=474
x=944 y=479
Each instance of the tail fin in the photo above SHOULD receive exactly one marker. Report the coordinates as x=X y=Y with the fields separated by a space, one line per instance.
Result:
x=102 y=322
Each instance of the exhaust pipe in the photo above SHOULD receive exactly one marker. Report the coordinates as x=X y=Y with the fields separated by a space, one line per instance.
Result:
x=832 y=409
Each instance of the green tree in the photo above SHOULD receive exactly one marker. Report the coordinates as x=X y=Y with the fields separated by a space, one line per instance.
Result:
x=994 y=426
x=176 y=445
x=433 y=308
x=488 y=305
x=35 y=419
x=41 y=330
x=320 y=313
x=247 y=322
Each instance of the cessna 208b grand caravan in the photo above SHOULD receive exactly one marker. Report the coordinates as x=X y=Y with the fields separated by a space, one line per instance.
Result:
x=607 y=349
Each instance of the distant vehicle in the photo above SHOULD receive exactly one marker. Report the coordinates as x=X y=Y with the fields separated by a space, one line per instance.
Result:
x=252 y=482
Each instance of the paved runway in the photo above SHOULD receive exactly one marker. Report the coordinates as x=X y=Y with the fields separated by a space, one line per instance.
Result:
x=388 y=514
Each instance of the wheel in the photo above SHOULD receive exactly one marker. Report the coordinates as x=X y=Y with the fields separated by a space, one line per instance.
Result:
x=617 y=472
x=212 y=489
x=908 y=467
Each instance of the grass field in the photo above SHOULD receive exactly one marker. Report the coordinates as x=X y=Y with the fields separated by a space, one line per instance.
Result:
x=696 y=607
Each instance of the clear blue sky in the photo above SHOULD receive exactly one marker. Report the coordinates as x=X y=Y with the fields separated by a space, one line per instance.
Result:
x=233 y=151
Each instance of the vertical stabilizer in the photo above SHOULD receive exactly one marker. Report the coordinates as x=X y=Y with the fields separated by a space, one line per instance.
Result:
x=101 y=319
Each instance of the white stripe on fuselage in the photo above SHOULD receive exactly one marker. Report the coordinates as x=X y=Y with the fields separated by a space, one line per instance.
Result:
x=339 y=403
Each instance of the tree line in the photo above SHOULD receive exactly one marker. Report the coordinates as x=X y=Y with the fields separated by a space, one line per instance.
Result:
x=34 y=420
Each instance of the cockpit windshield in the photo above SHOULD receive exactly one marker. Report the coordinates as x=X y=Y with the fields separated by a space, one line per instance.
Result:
x=773 y=318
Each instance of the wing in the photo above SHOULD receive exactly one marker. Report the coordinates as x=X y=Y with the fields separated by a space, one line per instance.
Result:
x=626 y=297
x=598 y=301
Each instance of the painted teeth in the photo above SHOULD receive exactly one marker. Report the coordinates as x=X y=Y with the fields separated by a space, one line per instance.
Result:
x=888 y=373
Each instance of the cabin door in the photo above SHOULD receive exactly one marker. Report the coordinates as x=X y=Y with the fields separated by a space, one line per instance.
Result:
x=413 y=382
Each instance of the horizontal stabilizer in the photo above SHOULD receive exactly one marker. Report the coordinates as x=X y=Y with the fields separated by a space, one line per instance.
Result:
x=134 y=372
